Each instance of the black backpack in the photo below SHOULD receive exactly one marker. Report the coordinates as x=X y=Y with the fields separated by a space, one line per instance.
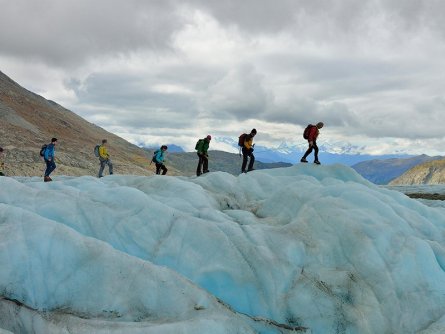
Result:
x=242 y=139
x=42 y=150
x=154 y=156
x=307 y=130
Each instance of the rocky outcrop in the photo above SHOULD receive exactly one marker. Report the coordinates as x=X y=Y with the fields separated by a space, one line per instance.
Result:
x=432 y=172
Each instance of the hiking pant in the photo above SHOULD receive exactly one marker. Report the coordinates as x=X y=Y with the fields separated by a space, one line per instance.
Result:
x=50 y=166
x=159 y=167
x=309 y=151
x=104 y=162
x=247 y=153
x=204 y=163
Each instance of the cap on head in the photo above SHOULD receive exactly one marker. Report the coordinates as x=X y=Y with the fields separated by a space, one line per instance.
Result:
x=209 y=137
x=53 y=140
x=164 y=147
x=320 y=125
x=104 y=141
x=253 y=131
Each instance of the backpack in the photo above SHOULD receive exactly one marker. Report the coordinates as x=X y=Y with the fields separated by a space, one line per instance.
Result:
x=154 y=156
x=42 y=150
x=242 y=139
x=198 y=143
x=307 y=130
x=96 y=150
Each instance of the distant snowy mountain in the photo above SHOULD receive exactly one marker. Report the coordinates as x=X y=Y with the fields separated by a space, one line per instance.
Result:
x=330 y=153
x=172 y=148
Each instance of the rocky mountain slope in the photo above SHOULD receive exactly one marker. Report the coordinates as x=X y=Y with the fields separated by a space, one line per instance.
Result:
x=27 y=121
x=382 y=171
x=432 y=172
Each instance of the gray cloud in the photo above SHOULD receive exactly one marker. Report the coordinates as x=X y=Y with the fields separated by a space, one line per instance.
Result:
x=372 y=69
x=130 y=100
x=239 y=95
x=70 y=32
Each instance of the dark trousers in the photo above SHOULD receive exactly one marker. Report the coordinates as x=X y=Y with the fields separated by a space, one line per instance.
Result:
x=50 y=166
x=309 y=151
x=159 y=167
x=246 y=154
x=104 y=162
x=202 y=163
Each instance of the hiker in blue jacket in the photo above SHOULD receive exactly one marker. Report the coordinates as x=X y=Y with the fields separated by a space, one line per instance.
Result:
x=158 y=159
x=48 y=156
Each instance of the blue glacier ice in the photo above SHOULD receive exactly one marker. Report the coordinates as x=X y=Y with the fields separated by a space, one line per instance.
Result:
x=311 y=249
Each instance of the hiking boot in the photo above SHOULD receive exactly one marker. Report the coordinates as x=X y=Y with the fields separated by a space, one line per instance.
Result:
x=250 y=169
x=47 y=179
x=206 y=171
x=317 y=162
x=303 y=160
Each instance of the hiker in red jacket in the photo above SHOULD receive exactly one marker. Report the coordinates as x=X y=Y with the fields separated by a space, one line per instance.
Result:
x=312 y=140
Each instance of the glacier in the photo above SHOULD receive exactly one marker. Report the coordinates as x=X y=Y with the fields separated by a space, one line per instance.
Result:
x=310 y=249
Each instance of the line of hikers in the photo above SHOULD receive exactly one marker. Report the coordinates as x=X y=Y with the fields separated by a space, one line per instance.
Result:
x=245 y=143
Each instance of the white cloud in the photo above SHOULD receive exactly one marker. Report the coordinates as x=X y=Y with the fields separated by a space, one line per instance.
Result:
x=371 y=69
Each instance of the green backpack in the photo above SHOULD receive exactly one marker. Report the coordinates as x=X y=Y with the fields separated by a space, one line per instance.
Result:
x=198 y=144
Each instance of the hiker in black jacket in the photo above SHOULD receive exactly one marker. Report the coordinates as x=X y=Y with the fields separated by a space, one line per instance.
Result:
x=248 y=152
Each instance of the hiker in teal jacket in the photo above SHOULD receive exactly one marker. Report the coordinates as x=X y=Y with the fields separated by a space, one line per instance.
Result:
x=202 y=147
x=158 y=159
x=48 y=156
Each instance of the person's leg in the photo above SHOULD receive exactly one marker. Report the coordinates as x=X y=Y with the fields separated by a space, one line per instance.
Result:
x=158 y=168
x=48 y=168
x=251 y=162
x=245 y=155
x=316 y=152
x=53 y=166
x=198 y=169
x=164 y=170
x=110 y=167
x=205 y=164
x=309 y=150
x=101 y=169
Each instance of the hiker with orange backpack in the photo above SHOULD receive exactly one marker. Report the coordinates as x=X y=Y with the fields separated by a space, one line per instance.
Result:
x=310 y=134
x=245 y=141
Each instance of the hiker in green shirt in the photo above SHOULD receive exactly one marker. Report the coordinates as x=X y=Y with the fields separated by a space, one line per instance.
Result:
x=202 y=147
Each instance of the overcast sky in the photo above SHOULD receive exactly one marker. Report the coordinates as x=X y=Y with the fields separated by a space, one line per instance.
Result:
x=172 y=71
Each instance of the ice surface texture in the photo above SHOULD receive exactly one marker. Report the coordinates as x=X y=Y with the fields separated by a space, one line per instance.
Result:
x=312 y=246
